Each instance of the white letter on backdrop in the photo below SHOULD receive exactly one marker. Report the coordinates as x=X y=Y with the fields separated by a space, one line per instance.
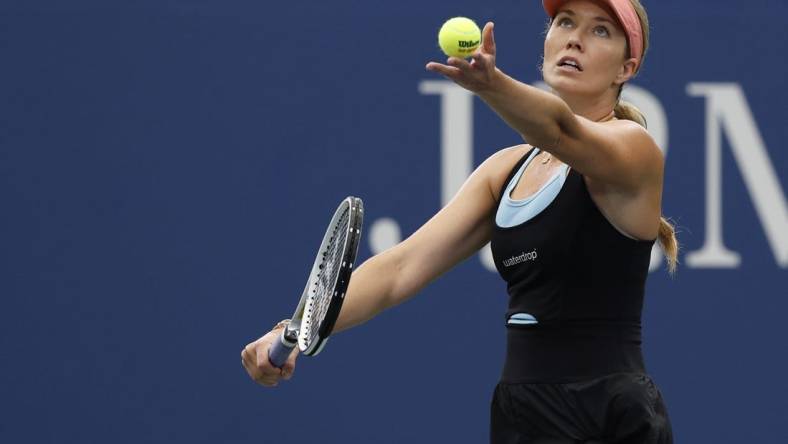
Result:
x=456 y=143
x=727 y=110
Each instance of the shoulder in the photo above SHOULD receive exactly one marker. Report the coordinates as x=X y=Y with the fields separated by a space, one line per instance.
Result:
x=637 y=142
x=507 y=156
x=620 y=153
x=631 y=130
x=496 y=168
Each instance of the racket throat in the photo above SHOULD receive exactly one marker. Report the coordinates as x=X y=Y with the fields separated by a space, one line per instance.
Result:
x=290 y=337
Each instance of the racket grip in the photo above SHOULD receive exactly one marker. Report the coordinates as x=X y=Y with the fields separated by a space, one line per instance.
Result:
x=280 y=350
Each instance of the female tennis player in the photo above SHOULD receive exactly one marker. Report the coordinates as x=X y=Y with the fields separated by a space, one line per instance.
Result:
x=571 y=216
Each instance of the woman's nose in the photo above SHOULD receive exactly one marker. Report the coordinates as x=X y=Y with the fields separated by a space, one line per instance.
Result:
x=574 y=39
x=574 y=42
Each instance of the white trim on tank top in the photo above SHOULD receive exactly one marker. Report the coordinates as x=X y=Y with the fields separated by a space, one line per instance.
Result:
x=513 y=212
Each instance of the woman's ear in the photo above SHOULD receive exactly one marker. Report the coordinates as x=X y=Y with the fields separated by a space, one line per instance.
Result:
x=627 y=71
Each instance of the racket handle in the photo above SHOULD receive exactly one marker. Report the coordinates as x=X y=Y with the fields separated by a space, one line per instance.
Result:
x=280 y=350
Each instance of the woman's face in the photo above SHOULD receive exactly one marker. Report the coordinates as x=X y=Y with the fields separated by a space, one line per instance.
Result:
x=588 y=32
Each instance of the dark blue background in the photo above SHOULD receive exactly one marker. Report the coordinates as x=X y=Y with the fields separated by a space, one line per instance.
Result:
x=167 y=169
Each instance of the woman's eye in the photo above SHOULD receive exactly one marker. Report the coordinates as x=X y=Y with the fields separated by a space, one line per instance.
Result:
x=601 y=31
x=564 y=22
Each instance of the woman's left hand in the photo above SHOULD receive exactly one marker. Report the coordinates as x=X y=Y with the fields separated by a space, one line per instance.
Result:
x=476 y=75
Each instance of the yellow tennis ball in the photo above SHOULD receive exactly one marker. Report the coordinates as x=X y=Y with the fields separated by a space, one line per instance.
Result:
x=459 y=37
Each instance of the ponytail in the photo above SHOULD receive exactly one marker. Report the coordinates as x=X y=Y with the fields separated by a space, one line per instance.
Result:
x=669 y=243
x=628 y=111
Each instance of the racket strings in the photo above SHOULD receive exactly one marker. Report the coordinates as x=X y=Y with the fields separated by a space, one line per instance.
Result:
x=329 y=268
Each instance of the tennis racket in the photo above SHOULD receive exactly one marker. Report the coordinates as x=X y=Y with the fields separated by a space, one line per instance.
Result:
x=318 y=309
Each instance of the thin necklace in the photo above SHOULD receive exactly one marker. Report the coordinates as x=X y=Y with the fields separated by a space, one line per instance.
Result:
x=549 y=156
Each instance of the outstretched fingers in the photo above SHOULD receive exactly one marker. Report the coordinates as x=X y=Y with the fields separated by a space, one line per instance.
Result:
x=488 y=38
x=448 y=71
x=475 y=74
x=461 y=64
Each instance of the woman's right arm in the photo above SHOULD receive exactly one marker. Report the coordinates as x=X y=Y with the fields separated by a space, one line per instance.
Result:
x=458 y=230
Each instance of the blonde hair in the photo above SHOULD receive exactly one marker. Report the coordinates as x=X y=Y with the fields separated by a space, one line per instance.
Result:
x=627 y=111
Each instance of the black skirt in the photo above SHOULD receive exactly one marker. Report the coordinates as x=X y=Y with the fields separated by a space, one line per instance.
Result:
x=620 y=408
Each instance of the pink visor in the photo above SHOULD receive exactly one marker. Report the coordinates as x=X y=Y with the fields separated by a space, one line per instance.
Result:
x=627 y=17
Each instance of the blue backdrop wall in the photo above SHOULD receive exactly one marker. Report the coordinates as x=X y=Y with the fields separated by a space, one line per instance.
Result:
x=167 y=168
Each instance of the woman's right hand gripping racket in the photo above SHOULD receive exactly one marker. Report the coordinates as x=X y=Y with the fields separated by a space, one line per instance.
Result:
x=325 y=289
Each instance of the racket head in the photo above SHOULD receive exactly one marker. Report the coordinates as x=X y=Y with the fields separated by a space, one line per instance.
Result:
x=330 y=276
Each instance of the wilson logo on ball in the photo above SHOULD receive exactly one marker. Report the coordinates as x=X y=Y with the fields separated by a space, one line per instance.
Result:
x=468 y=43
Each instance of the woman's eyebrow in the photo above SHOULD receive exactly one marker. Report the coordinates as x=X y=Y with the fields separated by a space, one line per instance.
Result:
x=604 y=19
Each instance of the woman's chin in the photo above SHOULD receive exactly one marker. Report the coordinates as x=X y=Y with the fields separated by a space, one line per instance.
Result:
x=565 y=86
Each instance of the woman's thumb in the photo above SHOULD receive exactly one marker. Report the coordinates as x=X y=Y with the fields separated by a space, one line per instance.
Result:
x=488 y=39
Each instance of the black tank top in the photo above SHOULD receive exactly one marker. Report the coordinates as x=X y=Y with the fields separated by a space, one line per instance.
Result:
x=582 y=282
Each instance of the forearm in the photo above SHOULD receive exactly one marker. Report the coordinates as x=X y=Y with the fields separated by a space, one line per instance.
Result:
x=537 y=115
x=460 y=228
x=371 y=289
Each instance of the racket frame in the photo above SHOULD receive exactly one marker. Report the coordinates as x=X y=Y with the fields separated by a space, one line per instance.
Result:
x=295 y=332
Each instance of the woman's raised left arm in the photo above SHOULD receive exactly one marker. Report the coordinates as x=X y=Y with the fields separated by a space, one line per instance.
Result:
x=619 y=153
